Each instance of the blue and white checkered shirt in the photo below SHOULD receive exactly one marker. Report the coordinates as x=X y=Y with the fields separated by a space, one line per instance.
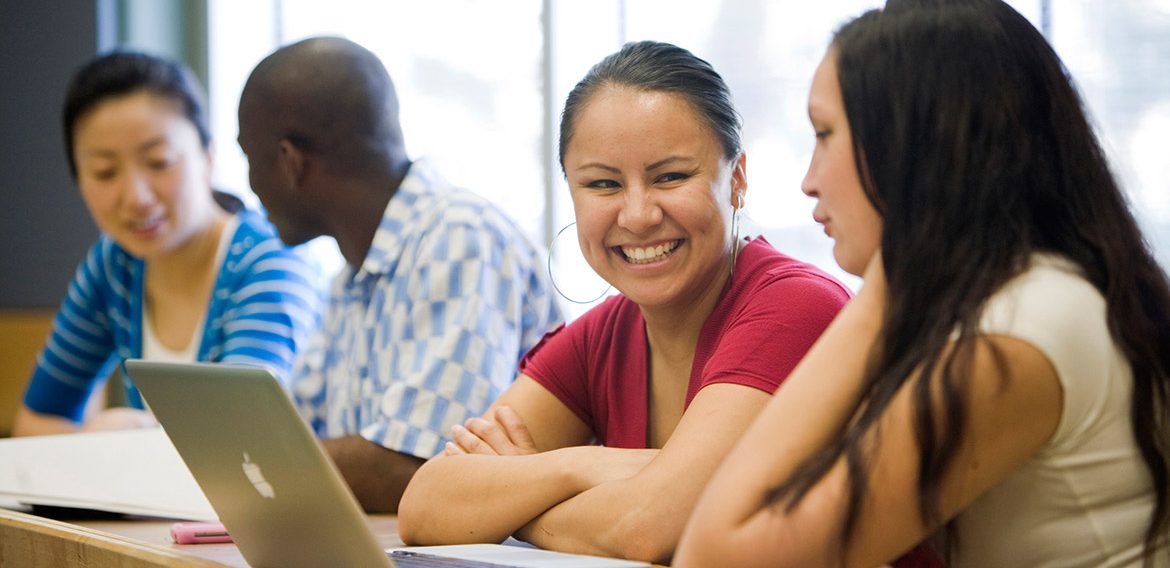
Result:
x=428 y=331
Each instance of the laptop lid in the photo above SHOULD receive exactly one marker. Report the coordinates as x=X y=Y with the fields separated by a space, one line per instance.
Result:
x=264 y=472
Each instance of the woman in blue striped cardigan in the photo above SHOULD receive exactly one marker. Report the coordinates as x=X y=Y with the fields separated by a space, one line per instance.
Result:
x=180 y=272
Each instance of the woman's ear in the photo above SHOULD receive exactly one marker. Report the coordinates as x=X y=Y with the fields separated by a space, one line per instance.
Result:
x=739 y=184
x=209 y=161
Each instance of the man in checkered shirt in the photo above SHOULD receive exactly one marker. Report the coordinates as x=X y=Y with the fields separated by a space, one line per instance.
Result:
x=442 y=294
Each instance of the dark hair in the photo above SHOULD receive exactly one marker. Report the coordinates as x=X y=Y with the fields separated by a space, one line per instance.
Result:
x=123 y=73
x=657 y=66
x=973 y=144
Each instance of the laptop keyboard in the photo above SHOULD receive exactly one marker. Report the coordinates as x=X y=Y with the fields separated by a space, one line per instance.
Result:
x=408 y=559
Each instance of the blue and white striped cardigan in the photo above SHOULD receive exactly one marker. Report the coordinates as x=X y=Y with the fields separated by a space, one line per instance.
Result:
x=265 y=301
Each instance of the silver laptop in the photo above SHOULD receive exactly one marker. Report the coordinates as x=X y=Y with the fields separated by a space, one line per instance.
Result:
x=272 y=484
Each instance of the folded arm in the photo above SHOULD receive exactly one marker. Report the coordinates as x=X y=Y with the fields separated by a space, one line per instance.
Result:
x=478 y=497
x=642 y=517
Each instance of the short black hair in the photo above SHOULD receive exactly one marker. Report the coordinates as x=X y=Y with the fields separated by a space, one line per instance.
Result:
x=124 y=72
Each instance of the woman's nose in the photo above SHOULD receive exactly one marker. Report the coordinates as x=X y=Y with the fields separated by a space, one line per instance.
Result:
x=136 y=191
x=807 y=185
x=640 y=211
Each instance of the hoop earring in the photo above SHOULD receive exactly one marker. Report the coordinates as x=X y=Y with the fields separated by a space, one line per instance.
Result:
x=553 y=280
x=735 y=224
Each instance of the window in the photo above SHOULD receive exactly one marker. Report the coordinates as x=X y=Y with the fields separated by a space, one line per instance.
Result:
x=1117 y=54
x=469 y=93
x=482 y=84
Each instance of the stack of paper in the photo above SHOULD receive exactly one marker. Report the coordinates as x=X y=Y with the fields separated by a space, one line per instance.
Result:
x=137 y=472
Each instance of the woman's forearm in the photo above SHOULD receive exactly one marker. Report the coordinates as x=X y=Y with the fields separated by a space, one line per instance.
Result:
x=810 y=410
x=641 y=517
x=478 y=498
x=624 y=518
x=31 y=423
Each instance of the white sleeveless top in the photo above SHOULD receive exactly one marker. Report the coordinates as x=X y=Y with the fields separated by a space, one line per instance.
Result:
x=152 y=347
x=1085 y=498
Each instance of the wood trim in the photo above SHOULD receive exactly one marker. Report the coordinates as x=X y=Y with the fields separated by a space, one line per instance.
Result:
x=29 y=540
x=22 y=334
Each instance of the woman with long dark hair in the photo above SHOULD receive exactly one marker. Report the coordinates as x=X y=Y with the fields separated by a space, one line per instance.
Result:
x=1002 y=379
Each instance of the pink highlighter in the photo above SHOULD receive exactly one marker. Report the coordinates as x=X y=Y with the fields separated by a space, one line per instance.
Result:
x=199 y=533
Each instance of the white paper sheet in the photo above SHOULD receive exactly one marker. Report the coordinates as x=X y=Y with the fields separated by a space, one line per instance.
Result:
x=137 y=472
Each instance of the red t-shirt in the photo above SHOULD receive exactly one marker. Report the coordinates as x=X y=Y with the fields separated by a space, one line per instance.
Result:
x=771 y=312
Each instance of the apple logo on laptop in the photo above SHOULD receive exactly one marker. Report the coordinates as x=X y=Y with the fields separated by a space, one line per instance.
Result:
x=252 y=470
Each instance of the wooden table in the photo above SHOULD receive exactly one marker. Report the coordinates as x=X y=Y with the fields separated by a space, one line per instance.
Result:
x=33 y=541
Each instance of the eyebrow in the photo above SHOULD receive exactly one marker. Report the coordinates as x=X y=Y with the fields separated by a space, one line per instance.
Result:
x=153 y=142
x=820 y=108
x=665 y=161
x=99 y=153
x=650 y=167
x=598 y=165
x=149 y=144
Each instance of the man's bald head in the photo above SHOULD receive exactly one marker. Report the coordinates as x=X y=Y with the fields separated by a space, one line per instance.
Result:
x=330 y=97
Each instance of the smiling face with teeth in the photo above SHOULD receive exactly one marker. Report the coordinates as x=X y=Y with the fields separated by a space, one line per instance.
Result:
x=653 y=196
x=143 y=173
